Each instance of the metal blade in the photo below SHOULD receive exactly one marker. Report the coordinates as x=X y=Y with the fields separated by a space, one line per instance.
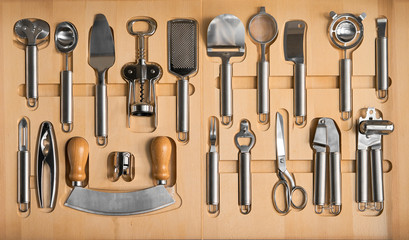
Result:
x=381 y=24
x=119 y=204
x=101 y=44
x=23 y=135
x=226 y=31
x=294 y=41
x=280 y=144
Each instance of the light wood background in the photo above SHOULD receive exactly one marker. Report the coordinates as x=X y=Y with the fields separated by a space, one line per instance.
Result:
x=188 y=218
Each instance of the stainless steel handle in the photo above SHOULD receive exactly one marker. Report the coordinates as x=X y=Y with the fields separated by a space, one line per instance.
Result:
x=263 y=91
x=101 y=114
x=320 y=170
x=183 y=110
x=213 y=182
x=226 y=93
x=66 y=101
x=335 y=182
x=377 y=178
x=382 y=83
x=361 y=195
x=23 y=180
x=300 y=94
x=345 y=97
x=31 y=76
x=245 y=182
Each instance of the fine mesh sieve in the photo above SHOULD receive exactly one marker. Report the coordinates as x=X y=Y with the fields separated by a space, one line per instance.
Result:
x=263 y=31
x=263 y=27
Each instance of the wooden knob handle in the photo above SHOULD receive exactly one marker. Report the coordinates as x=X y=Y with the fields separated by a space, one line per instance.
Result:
x=161 y=150
x=77 y=150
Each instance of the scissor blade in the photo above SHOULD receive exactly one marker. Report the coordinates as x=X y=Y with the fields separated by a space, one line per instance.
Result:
x=280 y=145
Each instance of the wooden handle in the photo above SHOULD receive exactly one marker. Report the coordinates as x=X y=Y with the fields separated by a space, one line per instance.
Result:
x=77 y=150
x=161 y=150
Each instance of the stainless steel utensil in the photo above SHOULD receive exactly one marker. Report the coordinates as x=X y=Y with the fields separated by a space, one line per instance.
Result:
x=32 y=32
x=47 y=155
x=225 y=39
x=327 y=137
x=346 y=32
x=369 y=160
x=145 y=73
x=118 y=203
x=263 y=30
x=66 y=39
x=212 y=171
x=121 y=164
x=101 y=58
x=182 y=62
x=244 y=166
x=294 y=45
x=382 y=71
x=284 y=176
x=23 y=166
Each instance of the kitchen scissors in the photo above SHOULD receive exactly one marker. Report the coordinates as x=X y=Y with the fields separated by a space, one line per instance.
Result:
x=285 y=177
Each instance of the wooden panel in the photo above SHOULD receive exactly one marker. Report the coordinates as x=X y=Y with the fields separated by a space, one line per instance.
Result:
x=189 y=218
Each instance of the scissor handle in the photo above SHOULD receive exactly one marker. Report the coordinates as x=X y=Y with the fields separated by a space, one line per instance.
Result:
x=305 y=197
x=287 y=197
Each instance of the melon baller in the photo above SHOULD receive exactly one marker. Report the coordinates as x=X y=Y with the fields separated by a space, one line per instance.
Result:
x=346 y=32
x=141 y=72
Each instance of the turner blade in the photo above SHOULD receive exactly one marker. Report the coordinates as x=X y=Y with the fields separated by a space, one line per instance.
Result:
x=119 y=204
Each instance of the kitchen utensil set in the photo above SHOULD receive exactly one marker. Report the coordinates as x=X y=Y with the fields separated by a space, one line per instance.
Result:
x=225 y=40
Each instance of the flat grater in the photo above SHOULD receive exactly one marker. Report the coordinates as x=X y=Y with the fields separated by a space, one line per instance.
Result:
x=182 y=62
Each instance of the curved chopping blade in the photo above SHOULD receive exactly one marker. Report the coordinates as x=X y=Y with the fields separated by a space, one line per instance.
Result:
x=119 y=203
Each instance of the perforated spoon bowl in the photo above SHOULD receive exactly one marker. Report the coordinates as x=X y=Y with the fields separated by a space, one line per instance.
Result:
x=31 y=32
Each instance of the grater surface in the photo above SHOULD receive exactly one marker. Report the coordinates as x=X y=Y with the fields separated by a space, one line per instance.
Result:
x=182 y=47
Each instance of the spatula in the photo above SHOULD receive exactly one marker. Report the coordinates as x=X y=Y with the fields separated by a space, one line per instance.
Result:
x=225 y=39
x=101 y=58
x=294 y=51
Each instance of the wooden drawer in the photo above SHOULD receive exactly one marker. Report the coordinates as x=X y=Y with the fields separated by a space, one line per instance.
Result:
x=189 y=218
